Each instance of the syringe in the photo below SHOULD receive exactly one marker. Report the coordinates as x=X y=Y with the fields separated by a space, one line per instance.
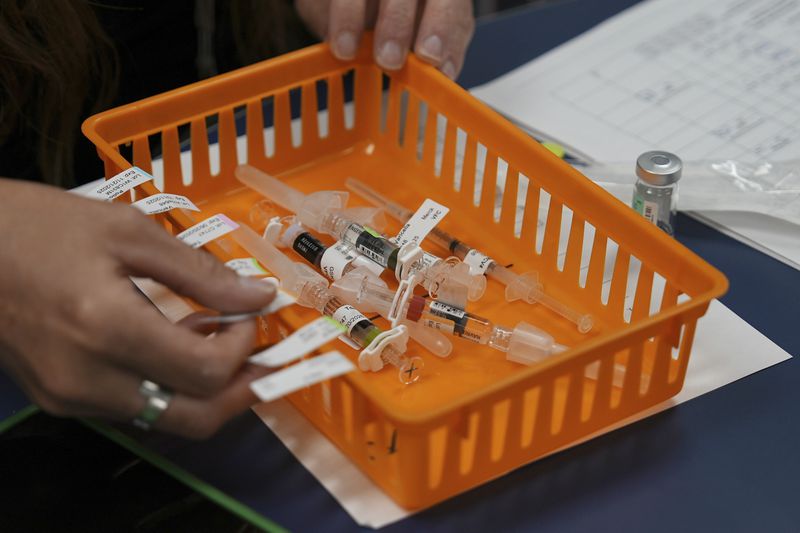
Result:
x=322 y=211
x=518 y=286
x=524 y=344
x=379 y=347
x=337 y=261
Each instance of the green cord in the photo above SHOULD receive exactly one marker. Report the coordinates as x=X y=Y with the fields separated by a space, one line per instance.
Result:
x=186 y=478
x=18 y=417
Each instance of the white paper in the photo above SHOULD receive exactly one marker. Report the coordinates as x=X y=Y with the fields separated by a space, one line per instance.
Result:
x=303 y=341
x=711 y=80
x=776 y=238
x=303 y=374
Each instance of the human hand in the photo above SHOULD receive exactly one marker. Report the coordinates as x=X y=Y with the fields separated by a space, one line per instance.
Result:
x=79 y=338
x=439 y=30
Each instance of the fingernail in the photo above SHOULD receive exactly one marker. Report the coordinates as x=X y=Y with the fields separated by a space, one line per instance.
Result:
x=271 y=281
x=256 y=285
x=344 y=46
x=432 y=48
x=449 y=70
x=390 y=56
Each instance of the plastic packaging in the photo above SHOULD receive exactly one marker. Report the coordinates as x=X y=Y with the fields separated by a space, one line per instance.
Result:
x=770 y=188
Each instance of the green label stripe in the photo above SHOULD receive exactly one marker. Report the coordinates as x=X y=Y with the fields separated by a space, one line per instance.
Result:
x=372 y=232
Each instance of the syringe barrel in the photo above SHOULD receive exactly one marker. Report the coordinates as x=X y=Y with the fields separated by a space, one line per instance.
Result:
x=282 y=194
x=380 y=297
x=369 y=243
x=395 y=210
x=267 y=254
x=360 y=291
x=293 y=276
x=442 y=239
x=501 y=274
x=583 y=321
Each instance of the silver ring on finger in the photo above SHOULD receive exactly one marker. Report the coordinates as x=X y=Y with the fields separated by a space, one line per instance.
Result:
x=157 y=401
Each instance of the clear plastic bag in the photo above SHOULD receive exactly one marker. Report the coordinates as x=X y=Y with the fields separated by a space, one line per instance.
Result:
x=769 y=188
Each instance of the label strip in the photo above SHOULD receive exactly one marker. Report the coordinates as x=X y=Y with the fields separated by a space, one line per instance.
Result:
x=163 y=202
x=247 y=266
x=282 y=299
x=303 y=341
x=478 y=263
x=303 y=374
x=422 y=222
x=120 y=184
x=207 y=230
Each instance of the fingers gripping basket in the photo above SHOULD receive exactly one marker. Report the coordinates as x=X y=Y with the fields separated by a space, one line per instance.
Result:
x=475 y=415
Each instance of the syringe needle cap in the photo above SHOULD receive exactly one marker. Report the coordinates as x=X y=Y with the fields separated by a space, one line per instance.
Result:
x=529 y=344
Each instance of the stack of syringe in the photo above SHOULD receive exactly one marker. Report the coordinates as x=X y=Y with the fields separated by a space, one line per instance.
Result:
x=324 y=212
x=356 y=283
x=518 y=286
x=356 y=260
x=378 y=347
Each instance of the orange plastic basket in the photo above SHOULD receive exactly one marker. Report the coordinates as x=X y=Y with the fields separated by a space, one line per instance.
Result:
x=473 y=416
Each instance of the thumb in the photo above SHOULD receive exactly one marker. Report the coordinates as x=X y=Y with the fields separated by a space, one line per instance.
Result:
x=193 y=273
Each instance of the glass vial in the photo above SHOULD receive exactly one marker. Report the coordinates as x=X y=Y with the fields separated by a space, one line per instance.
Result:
x=655 y=195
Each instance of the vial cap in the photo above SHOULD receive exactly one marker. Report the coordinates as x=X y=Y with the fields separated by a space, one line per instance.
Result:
x=659 y=168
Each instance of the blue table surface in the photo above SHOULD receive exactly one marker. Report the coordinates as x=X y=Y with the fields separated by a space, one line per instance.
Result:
x=724 y=462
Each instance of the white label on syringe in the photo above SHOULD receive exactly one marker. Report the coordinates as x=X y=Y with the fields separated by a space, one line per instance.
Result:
x=372 y=266
x=424 y=220
x=303 y=374
x=446 y=311
x=248 y=266
x=348 y=316
x=120 y=184
x=335 y=260
x=478 y=263
x=207 y=230
x=163 y=202
x=303 y=341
